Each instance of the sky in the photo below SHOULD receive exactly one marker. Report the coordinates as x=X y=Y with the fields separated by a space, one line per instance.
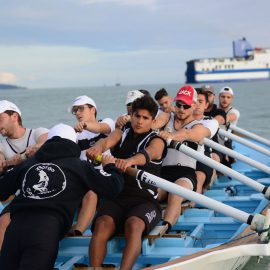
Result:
x=69 y=43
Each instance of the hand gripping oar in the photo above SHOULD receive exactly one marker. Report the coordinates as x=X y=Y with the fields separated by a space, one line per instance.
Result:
x=250 y=135
x=243 y=141
x=258 y=222
x=221 y=168
x=237 y=155
x=9 y=162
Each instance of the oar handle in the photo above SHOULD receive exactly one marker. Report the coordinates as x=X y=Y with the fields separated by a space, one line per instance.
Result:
x=257 y=221
x=236 y=155
x=244 y=142
x=250 y=135
x=221 y=168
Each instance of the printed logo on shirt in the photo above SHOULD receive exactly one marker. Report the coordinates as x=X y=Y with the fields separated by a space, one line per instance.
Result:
x=43 y=180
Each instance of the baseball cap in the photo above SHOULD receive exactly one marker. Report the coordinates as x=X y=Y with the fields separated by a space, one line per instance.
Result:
x=226 y=89
x=187 y=94
x=132 y=95
x=6 y=105
x=82 y=100
x=64 y=131
x=208 y=88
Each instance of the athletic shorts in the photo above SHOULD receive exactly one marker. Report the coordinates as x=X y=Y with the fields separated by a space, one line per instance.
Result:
x=173 y=173
x=221 y=155
x=122 y=208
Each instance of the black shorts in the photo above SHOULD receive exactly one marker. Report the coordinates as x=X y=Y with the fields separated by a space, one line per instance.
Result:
x=173 y=173
x=221 y=155
x=122 y=208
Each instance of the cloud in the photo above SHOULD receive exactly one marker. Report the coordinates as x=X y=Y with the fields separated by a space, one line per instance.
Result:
x=7 y=77
x=146 y=3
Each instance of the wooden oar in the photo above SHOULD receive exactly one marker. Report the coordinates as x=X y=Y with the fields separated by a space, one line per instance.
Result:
x=250 y=135
x=221 y=168
x=244 y=141
x=236 y=155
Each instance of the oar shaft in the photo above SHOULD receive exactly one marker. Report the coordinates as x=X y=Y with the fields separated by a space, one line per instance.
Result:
x=191 y=195
x=220 y=167
x=244 y=142
x=250 y=135
x=237 y=155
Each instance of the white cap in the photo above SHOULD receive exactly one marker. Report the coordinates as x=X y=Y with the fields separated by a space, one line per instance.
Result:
x=6 y=105
x=226 y=89
x=132 y=95
x=63 y=131
x=82 y=100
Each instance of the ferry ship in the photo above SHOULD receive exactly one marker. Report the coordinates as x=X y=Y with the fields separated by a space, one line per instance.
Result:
x=247 y=63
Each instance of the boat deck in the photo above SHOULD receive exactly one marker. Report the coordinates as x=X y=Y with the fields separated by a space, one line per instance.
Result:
x=196 y=231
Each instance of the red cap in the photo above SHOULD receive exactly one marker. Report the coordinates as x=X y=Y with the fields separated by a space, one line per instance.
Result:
x=187 y=94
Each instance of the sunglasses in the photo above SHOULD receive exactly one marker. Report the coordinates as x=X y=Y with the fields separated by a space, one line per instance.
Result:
x=75 y=109
x=184 y=106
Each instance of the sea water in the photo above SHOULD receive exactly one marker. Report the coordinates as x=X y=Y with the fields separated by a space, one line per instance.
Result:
x=47 y=107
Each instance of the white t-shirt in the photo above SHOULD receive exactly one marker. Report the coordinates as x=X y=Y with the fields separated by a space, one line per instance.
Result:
x=211 y=124
x=11 y=147
x=89 y=138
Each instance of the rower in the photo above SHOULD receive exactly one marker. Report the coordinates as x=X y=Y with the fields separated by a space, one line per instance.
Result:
x=89 y=130
x=178 y=167
x=19 y=143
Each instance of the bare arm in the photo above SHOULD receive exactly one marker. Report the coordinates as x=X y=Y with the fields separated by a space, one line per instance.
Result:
x=220 y=119
x=104 y=144
x=3 y=163
x=95 y=127
x=161 y=120
x=231 y=117
x=154 y=151
x=122 y=120
x=195 y=134
x=31 y=150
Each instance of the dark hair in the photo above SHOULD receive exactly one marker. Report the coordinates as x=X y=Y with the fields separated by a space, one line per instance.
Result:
x=147 y=103
x=200 y=91
x=160 y=94
x=145 y=92
x=9 y=112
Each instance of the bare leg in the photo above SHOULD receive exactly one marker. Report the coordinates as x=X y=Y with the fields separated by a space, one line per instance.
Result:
x=215 y=157
x=162 y=194
x=87 y=212
x=4 y=222
x=200 y=181
x=134 y=228
x=173 y=210
x=104 y=229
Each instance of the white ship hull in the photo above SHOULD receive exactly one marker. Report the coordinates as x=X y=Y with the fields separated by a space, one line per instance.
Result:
x=247 y=64
x=233 y=76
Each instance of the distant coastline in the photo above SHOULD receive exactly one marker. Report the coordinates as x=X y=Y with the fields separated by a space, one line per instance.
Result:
x=10 y=86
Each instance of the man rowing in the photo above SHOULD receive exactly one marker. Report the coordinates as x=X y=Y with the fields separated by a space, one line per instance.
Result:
x=177 y=167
